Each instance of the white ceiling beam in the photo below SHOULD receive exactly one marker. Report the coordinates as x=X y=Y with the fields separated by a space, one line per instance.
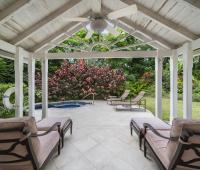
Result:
x=116 y=54
x=55 y=35
x=7 y=55
x=5 y=46
x=144 y=31
x=32 y=29
x=59 y=36
x=156 y=17
x=12 y=9
x=153 y=36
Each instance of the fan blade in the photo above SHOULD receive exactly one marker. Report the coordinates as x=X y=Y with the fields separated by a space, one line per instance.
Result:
x=89 y=34
x=112 y=30
x=130 y=10
x=78 y=19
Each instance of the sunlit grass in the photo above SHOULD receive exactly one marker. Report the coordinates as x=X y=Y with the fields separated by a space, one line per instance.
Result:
x=166 y=108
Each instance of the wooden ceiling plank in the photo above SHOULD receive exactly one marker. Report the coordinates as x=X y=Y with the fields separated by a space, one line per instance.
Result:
x=12 y=9
x=193 y=3
x=178 y=29
x=35 y=27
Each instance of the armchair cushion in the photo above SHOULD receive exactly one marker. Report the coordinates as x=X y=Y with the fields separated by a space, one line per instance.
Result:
x=29 y=122
x=159 y=145
x=44 y=124
x=43 y=145
x=153 y=121
x=177 y=126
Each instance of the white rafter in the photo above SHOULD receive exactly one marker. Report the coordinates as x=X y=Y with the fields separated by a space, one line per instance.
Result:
x=32 y=29
x=58 y=36
x=178 y=29
x=139 y=28
x=12 y=9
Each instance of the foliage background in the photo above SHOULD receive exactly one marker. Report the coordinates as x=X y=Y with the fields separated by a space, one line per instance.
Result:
x=138 y=74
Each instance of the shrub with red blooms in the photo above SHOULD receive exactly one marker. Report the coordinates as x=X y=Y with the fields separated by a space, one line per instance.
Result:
x=74 y=81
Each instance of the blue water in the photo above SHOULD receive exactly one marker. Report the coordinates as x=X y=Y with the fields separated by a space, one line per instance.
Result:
x=65 y=104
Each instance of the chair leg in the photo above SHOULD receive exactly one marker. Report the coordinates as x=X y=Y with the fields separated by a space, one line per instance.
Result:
x=62 y=138
x=131 y=129
x=71 y=128
x=145 y=149
x=140 y=141
x=59 y=148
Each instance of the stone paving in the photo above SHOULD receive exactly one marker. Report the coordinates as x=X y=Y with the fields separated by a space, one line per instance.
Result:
x=101 y=140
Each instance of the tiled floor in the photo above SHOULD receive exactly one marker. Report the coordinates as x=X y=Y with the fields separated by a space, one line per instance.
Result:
x=101 y=140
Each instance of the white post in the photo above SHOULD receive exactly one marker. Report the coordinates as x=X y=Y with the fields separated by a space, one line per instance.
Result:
x=158 y=84
x=19 y=82
x=173 y=85
x=31 y=83
x=44 y=87
x=187 y=80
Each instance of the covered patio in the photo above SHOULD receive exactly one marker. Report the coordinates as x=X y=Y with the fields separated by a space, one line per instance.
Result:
x=30 y=28
x=101 y=140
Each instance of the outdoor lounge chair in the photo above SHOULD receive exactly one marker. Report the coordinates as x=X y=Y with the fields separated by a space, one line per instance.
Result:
x=66 y=124
x=136 y=124
x=135 y=101
x=111 y=99
x=23 y=147
x=178 y=151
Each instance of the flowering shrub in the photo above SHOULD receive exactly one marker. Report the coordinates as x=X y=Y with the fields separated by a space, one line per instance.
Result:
x=74 y=81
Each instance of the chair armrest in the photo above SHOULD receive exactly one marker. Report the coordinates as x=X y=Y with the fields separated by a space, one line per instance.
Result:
x=148 y=126
x=55 y=125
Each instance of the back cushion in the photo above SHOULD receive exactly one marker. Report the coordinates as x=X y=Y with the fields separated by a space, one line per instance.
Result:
x=177 y=126
x=29 y=122
x=6 y=134
x=176 y=130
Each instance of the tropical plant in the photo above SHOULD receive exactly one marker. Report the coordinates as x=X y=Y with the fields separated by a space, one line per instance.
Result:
x=74 y=81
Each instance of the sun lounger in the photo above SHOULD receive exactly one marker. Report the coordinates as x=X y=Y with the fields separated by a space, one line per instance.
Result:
x=66 y=124
x=111 y=99
x=178 y=149
x=138 y=100
x=136 y=124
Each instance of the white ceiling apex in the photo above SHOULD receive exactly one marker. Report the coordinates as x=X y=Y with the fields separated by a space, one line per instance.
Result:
x=95 y=5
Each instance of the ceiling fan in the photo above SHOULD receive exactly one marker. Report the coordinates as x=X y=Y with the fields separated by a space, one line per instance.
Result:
x=102 y=23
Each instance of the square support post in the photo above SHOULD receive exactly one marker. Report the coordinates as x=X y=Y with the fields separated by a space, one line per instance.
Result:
x=44 y=87
x=31 y=85
x=173 y=85
x=158 y=84
x=187 y=80
x=19 y=82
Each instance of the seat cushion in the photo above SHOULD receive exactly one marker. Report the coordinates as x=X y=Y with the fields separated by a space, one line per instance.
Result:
x=159 y=145
x=153 y=121
x=46 y=123
x=43 y=145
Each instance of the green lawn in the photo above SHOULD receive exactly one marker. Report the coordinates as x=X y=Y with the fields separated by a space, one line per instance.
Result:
x=166 y=108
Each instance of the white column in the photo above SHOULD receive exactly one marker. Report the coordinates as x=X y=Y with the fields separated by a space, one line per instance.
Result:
x=173 y=85
x=31 y=85
x=187 y=80
x=19 y=82
x=158 y=84
x=44 y=87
